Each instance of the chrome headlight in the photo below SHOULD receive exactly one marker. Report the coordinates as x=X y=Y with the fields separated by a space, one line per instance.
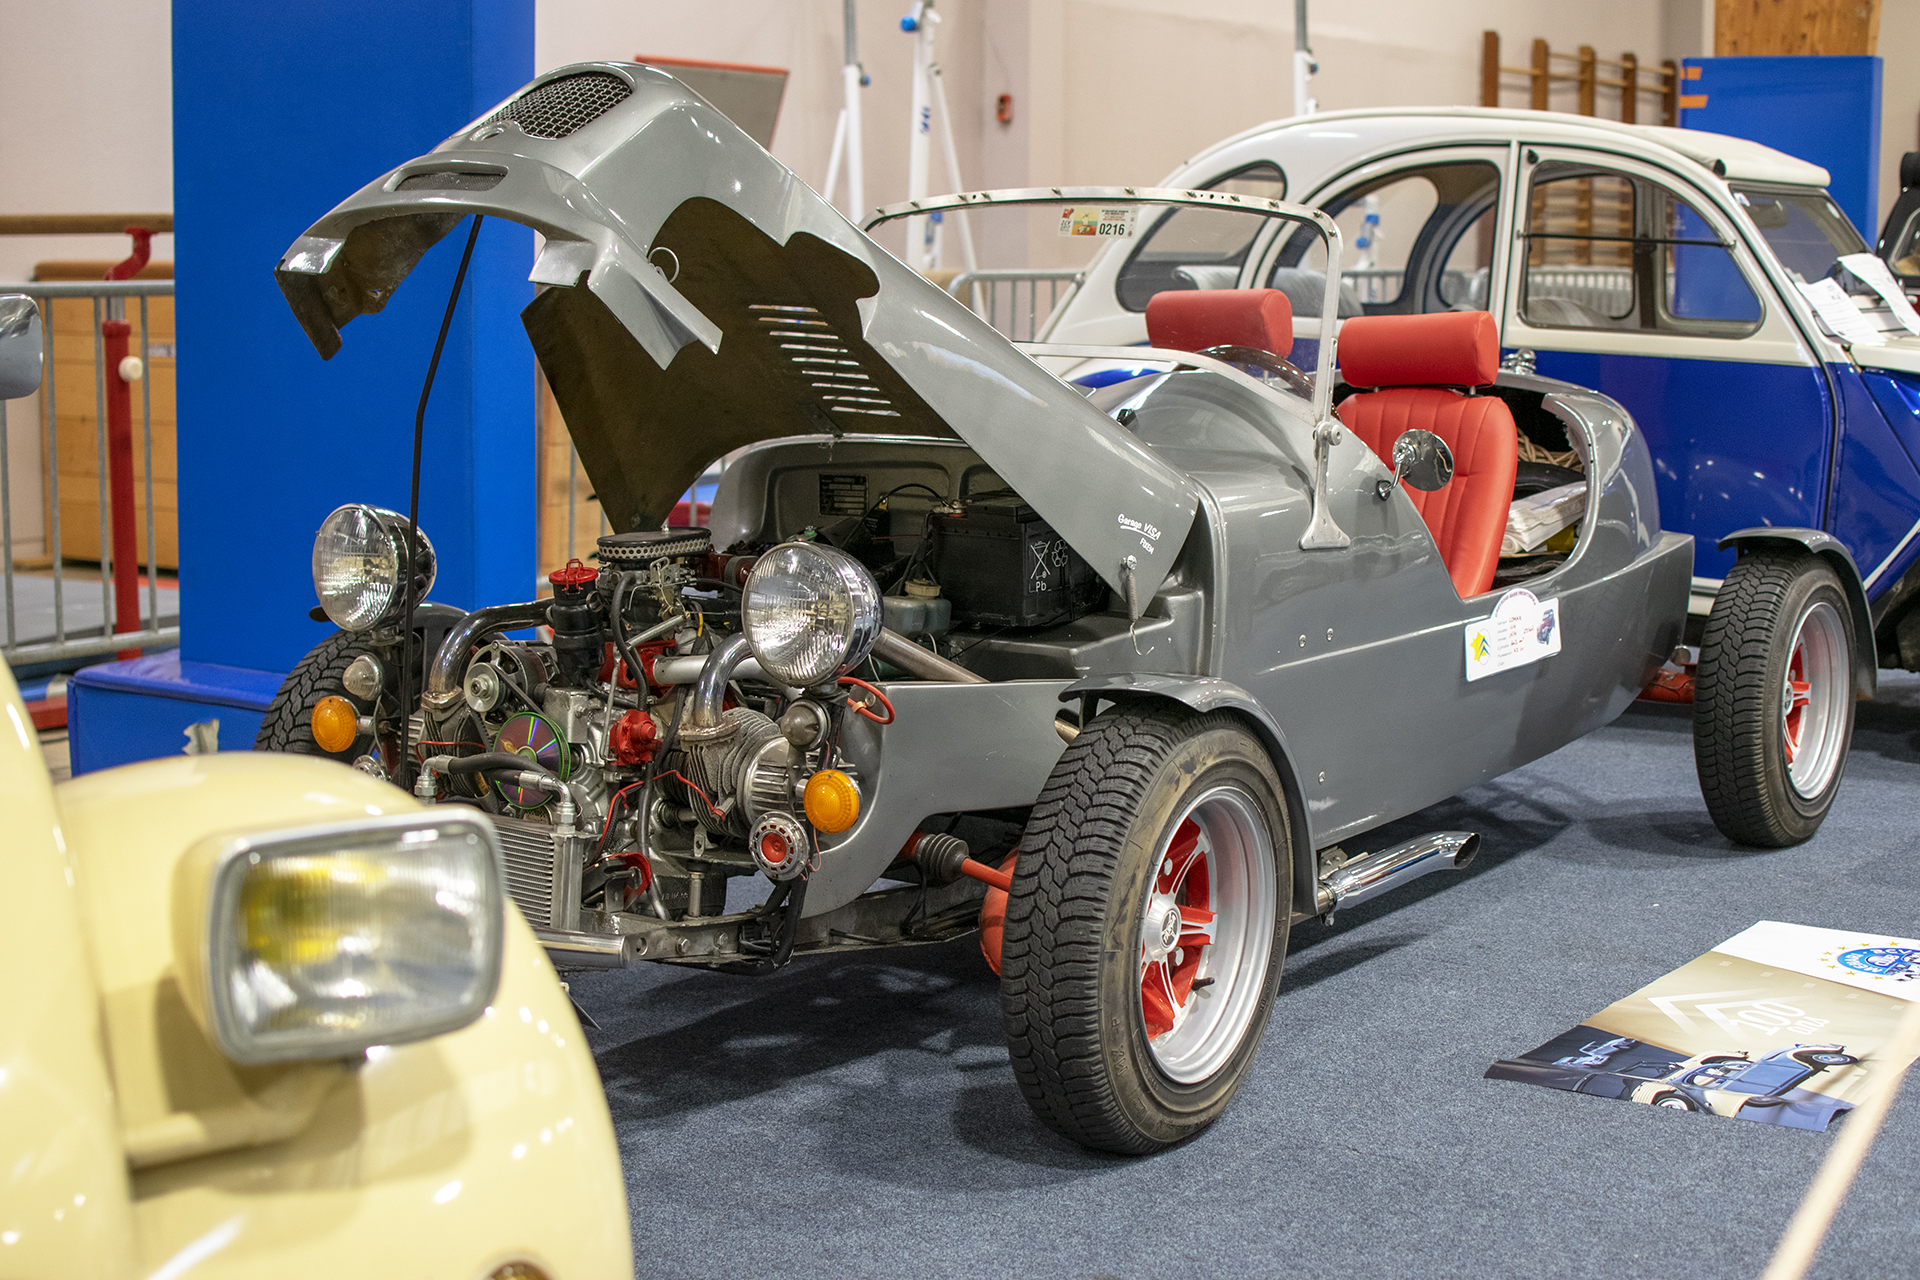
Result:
x=321 y=942
x=810 y=612
x=358 y=561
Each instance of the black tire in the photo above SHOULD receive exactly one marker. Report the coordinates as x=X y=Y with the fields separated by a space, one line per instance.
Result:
x=287 y=726
x=1538 y=477
x=1674 y=1101
x=1831 y=1059
x=1740 y=708
x=1074 y=959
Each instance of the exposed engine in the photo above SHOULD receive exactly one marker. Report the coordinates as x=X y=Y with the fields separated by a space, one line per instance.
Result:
x=575 y=745
x=648 y=745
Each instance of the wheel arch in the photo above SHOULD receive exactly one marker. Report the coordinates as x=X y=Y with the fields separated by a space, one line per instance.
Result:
x=1866 y=655
x=1207 y=694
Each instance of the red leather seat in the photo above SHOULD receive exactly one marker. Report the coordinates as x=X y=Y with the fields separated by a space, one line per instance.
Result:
x=1196 y=319
x=1417 y=362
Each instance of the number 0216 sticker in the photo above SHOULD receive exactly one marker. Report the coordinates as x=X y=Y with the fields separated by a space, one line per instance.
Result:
x=1097 y=220
x=1522 y=629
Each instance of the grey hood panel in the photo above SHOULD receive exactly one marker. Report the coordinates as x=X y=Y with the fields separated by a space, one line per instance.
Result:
x=726 y=303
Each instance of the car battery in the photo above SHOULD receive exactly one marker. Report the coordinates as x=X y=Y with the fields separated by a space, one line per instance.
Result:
x=1002 y=565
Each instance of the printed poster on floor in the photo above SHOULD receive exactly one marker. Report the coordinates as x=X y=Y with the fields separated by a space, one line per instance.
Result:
x=1782 y=1023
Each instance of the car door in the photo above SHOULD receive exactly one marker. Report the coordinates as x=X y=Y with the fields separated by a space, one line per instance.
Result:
x=1418 y=234
x=1626 y=279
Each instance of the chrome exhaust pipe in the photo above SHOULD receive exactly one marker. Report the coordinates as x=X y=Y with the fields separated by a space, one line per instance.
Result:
x=1374 y=874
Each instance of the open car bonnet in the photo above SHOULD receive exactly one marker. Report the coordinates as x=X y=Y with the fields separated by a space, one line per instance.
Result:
x=703 y=298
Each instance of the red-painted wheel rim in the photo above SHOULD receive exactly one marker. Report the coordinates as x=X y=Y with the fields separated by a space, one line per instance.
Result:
x=1813 y=701
x=1206 y=934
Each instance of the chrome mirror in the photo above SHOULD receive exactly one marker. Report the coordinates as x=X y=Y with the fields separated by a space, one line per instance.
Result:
x=1422 y=460
x=19 y=346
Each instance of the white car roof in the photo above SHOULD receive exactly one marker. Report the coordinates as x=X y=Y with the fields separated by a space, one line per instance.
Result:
x=1734 y=158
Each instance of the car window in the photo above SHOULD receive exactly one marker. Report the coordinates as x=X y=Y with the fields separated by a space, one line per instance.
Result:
x=1904 y=254
x=1198 y=248
x=1579 y=250
x=1606 y=250
x=1464 y=271
x=1765 y=1077
x=1703 y=283
x=1377 y=229
x=1402 y=233
x=1805 y=230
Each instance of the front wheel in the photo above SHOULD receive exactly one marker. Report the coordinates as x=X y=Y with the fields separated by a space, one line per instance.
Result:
x=1675 y=1102
x=1773 y=698
x=288 y=723
x=1146 y=928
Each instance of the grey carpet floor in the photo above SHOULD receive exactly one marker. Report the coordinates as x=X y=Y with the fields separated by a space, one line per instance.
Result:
x=855 y=1117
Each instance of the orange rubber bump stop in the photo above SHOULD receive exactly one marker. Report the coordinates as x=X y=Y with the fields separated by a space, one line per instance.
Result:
x=335 y=724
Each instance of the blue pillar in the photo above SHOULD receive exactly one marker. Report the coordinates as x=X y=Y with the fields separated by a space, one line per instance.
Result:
x=1821 y=109
x=279 y=113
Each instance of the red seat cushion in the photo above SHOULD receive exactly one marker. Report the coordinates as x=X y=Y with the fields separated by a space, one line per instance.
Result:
x=1469 y=514
x=1196 y=319
x=1461 y=348
x=1445 y=349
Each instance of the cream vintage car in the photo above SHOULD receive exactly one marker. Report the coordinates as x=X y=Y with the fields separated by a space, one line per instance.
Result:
x=265 y=1015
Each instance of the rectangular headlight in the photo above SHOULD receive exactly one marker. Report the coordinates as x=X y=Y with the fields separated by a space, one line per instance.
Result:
x=321 y=942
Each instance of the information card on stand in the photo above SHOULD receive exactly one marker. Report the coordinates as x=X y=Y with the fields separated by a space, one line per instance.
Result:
x=1875 y=275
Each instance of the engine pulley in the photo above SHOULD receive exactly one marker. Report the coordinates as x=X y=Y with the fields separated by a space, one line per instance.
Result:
x=779 y=845
x=538 y=739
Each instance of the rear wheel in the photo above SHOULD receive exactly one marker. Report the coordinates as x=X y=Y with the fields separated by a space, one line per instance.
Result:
x=1773 y=698
x=288 y=724
x=1146 y=928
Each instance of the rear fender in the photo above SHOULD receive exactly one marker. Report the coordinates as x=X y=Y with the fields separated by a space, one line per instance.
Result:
x=1866 y=658
x=1207 y=694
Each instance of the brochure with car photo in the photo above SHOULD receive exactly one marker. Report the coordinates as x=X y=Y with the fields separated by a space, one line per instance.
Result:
x=1781 y=1023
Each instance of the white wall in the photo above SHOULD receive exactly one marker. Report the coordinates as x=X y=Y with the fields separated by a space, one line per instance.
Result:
x=804 y=36
x=86 y=90
x=1899 y=96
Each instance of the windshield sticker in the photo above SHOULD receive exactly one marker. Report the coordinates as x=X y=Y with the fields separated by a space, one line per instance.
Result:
x=1098 y=220
x=1523 y=629
x=1837 y=312
x=1874 y=274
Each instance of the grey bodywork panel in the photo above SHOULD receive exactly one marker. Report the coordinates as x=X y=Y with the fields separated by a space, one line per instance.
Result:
x=1866 y=662
x=1359 y=655
x=1350 y=664
x=726 y=303
x=950 y=747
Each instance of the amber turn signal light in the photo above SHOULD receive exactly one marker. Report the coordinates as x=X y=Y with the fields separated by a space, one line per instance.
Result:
x=335 y=725
x=832 y=801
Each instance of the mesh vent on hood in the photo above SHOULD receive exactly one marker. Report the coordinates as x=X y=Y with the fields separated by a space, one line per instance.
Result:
x=559 y=107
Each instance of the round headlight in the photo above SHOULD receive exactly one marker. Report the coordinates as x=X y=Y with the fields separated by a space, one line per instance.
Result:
x=358 y=561
x=810 y=612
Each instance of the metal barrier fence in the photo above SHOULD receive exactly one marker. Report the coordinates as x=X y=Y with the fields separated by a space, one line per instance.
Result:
x=1606 y=290
x=51 y=618
x=995 y=293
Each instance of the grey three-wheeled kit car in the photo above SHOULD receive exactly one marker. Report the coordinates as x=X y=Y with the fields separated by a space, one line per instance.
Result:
x=1122 y=679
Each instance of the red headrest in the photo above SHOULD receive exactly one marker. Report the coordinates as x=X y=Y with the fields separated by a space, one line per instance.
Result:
x=1195 y=319
x=1445 y=349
